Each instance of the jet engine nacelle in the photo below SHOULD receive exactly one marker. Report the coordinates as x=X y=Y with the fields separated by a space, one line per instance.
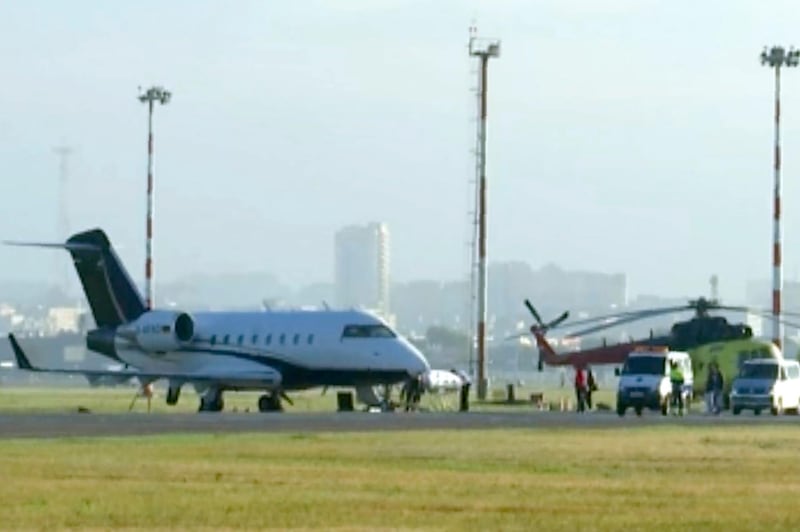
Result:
x=160 y=330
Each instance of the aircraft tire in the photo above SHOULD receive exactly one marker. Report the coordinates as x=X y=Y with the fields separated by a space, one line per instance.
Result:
x=757 y=412
x=265 y=403
x=203 y=406
x=217 y=405
x=621 y=410
x=172 y=395
x=269 y=403
x=638 y=410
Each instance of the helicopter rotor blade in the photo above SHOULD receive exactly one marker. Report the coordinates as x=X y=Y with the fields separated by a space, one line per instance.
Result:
x=782 y=321
x=621 y=321
x=632 y=314
x=558 y=320
x=734 y=309
x=768 y=313
x=534 y=313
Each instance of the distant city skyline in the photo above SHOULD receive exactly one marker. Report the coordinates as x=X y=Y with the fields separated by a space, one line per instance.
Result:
x=624 y=136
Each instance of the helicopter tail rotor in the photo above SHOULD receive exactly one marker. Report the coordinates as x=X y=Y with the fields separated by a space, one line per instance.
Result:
x=541 y=328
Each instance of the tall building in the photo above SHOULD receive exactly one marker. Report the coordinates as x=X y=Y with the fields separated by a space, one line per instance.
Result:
x=361 y=267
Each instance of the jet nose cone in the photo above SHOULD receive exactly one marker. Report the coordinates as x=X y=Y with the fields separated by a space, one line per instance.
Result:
x=422 y=365
x=417 y=363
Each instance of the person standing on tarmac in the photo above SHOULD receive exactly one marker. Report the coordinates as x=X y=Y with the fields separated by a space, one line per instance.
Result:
x=676 y=378
x=591 y=386
x=580 y=388
x=463 y=395
x=714 y=385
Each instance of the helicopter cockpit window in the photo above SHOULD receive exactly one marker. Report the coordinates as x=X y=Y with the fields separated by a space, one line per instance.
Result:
x=367 y=331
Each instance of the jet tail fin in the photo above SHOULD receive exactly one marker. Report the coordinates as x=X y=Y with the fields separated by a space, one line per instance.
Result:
x=113 y=297
x=19 y=354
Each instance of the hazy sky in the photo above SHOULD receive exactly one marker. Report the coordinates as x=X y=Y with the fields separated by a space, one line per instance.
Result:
x=624 y=135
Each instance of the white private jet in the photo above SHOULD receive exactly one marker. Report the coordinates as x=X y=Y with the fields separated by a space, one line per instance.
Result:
x=275 y=351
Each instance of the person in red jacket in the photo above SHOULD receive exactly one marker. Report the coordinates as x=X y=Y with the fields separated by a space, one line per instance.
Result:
x=580 y=388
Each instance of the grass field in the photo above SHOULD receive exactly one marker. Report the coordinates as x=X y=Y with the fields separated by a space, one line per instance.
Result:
x=716 y=478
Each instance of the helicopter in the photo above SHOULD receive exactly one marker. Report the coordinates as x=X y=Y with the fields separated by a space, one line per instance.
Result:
x=707 y=338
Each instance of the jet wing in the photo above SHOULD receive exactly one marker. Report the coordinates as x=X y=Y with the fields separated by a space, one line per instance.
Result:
x=265 y=378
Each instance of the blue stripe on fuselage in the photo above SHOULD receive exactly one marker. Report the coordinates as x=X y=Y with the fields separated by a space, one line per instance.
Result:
x=295 y=376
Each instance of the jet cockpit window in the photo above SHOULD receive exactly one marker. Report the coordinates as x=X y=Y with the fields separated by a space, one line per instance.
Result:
x=367 y=331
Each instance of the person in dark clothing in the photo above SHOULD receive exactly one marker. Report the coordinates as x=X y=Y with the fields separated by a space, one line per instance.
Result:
x=463 y=396
x=714 y=385
x=591 y=386
x=410 y=393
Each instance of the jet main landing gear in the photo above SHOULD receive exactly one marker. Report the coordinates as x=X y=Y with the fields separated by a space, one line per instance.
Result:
x=270 y=402
x=212 y=401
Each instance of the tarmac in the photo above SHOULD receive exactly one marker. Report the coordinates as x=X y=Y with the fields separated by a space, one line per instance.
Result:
x=59 y=425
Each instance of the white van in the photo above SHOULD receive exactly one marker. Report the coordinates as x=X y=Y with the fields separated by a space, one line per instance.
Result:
x=644 y=382
x=767 y=383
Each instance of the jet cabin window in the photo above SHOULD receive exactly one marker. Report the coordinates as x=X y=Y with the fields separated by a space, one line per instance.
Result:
x=367 y=331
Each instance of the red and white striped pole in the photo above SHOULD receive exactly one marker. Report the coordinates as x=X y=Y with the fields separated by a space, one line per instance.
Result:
x=777 y=266
x=776 y=57
x=152 y=95
x=148 y=261
x=483 y=50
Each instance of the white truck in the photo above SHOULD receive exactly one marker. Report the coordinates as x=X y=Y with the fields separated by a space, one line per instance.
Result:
x=645 y=380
